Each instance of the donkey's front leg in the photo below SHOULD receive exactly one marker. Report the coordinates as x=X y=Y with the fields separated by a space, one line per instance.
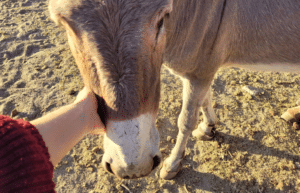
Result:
x=194 y=92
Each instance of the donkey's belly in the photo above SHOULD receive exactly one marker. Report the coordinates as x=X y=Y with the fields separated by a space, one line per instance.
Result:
x=276 y=67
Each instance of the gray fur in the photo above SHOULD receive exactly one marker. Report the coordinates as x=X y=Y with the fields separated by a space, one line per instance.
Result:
x=123 y=59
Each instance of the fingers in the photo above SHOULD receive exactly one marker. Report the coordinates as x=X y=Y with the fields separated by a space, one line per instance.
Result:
x=87 y=98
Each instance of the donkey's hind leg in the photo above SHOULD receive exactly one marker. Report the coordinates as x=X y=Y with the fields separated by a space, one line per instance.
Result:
x=206 y=129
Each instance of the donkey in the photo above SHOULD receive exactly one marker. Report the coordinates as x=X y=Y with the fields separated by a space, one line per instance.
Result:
x=120 y=45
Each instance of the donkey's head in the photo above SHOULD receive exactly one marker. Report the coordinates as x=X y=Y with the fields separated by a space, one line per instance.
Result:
x=118 y=46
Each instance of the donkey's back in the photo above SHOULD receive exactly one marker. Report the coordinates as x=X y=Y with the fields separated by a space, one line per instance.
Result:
x=255 y=34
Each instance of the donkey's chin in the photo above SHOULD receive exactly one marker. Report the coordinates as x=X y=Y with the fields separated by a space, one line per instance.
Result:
x=131 y=147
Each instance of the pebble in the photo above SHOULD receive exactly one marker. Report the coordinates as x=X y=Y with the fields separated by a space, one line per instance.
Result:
x=169 y=138
x=296 y=126
x=298 y=102
x=5 y=56
x=292 y=166
x=14 y=113
x=238 y=93
x=163 y=150
x=272 y=112
x=280 y=186
x=95 y=149
x=297 y=164
x=214 y=104
x=68 y=169
x=252 y=90
x=249 y=96
x=90 y=169
x=233 y=82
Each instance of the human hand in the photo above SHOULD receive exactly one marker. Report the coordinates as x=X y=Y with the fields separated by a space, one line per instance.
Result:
x=88 y=102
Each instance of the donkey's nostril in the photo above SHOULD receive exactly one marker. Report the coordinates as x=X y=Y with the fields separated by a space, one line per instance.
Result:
x=108 y=168
x=156 y=162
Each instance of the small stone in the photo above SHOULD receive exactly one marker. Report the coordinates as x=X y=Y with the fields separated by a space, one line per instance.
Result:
x=272 y=112
x=296 y=126
x=90 y=169
x=232 y=82
x=96 y=149
x=297 y=164
x=252 y=90
x=298 y=102
x=282 y=99
x=238 y=93
x=173 y=141
x=44 y=67
x=166 y=191
x=47 y=86
x=225 y=107
x=5 y=56
x=215 y=104
x=279 y=186
x=68 y=169
x=249 y=96
x=292 y=166
x=14 y=113
x=169 y=138
x=163 y=150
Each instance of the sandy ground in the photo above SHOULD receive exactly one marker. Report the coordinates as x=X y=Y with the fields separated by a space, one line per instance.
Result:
x=254 y=151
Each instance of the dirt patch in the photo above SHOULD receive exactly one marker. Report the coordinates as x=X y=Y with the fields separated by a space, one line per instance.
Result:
x=254 y=150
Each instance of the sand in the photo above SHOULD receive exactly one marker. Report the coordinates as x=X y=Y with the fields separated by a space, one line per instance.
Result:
x=254 y=150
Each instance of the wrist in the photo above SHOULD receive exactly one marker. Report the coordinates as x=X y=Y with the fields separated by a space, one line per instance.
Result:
x=88 y=112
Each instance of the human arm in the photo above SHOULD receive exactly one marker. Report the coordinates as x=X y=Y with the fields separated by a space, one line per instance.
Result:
x=64 y=128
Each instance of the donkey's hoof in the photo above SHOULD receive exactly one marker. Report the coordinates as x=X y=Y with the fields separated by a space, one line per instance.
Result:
x=168 y=174
x=200 y=135
x=292 y=115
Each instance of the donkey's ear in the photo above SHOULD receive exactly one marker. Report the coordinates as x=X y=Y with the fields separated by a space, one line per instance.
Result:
x=69 y=26
x=164 y=10
x=170 y=6
x=61 y=11
x=56 y=9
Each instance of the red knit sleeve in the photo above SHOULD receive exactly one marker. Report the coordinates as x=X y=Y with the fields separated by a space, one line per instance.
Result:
x=24 y=158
